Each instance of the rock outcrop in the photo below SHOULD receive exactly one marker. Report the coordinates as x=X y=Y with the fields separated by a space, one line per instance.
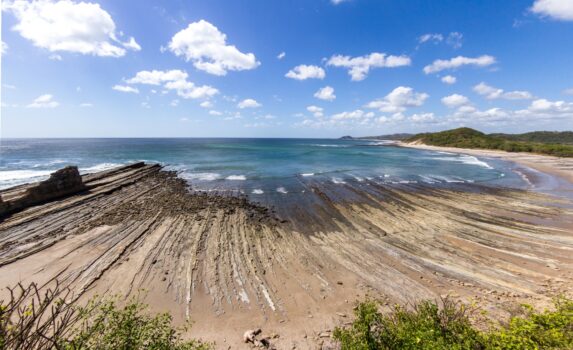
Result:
x=62 y=183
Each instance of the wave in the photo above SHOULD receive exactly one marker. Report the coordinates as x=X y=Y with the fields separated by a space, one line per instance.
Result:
x=18 y=175
x=99 y=167
x=236 y=177
x=200 y=176
x=338 y=180
x=307 y=174
x=282 y=190
x=326 y=145
x=466 y=159
x=258 y=191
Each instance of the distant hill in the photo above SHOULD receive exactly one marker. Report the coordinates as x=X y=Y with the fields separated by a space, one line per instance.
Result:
x=541 y=136
x=553 y=143
x=393 y=137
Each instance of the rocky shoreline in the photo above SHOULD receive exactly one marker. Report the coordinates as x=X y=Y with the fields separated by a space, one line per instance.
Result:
x=293 y=270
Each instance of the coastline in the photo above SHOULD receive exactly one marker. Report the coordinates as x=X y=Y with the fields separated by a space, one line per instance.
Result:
x=555 y=166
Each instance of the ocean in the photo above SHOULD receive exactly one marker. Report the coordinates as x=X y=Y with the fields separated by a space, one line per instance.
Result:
x=256 y=166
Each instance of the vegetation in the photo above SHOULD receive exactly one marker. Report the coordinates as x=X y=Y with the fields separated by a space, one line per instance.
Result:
x=31 y=319
x=565 y=137
x=470 y=138
x=427 y=326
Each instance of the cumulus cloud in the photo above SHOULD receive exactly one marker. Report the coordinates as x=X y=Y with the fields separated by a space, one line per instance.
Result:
x=456 y=62
x=455 y=100
x=492 y=93
x=316 y=111
x=557 y=9
x=449 y=79
x=248 y=103
x=203 y=44
x=326 y=93
x=44 y=101
x=359 y=67
x=206 y=104
x=398 y=100
x=124 y=88
x=216 y=113
x=455 y=40
x=303 y=72
x=86 y=105
x=176 y=80
x=546 y=106
x=281 y=55
x=68 y=26
x=3 y=48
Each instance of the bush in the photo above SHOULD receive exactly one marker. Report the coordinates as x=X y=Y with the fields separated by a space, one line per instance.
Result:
x=34 y=320
x=427 y=326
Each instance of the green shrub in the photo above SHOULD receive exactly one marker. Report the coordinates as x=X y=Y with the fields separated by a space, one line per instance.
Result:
x=427 y=326
x=34 y=319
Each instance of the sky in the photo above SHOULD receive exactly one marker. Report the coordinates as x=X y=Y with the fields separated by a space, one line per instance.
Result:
x=296 y=68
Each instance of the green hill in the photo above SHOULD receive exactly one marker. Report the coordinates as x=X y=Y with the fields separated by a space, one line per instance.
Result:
x=541 y=142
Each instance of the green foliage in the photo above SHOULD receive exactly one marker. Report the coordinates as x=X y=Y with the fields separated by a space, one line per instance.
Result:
x=427 y=326
x=470 y=138
x=545 y=330
x=106 y=326
x=541 y=137
x=32 y=318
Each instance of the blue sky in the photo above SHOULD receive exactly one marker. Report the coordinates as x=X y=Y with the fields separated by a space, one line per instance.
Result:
x=300 y=68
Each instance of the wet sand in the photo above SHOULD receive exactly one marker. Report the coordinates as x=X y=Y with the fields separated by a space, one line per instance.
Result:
x=294 y=269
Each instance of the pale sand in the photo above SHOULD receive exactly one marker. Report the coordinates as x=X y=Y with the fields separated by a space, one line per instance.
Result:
x=560 y=167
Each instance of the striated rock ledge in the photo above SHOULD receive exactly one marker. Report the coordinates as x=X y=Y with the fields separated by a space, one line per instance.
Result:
x=231 y=265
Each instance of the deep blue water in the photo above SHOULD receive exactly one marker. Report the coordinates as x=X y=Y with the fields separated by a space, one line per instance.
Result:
x=253 y=166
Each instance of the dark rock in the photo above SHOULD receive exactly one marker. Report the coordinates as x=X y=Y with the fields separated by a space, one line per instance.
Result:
x=62 y=183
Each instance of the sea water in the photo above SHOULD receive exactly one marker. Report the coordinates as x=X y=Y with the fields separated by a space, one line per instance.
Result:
x=255 y=166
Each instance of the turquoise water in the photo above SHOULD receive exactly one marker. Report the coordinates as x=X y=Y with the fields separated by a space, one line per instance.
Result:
x=255 y=166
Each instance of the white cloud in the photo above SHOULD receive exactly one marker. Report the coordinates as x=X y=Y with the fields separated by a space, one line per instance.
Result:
x=449 y=79
x=55 y=57
x=546 y=106
x=455 y=40
x=204 y=45
x=358 y=67
x=206 y=104
x=44 y=101
x=86 y=105
x=281 y=55
x=132 y=45
x=68 y=26
x=455 y=100
x=456 y=62
x=556 y=9
x=213 y=112
x=124 y=88
x=398 y=100
x=174 y=103
x=492 y=93
x=303 y=72
x=326 y=93
x=174 y=79
x=248 y=103
x=316 y=111
x=158 y=77
x=8 y=86
x=336 y=2
x=434 y=37
x=422 y=117
x=568 y=91
x=3 y=48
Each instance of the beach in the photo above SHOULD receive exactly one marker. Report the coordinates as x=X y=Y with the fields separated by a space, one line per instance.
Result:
x=295 y=268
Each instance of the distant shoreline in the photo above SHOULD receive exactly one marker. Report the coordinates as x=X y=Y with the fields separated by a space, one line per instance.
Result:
x=556 y=166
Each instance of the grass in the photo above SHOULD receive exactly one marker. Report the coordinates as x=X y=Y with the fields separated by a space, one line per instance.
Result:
x=426 y=326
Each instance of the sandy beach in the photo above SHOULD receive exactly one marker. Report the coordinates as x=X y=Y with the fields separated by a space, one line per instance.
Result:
x=294 y=270
x=561 y=167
